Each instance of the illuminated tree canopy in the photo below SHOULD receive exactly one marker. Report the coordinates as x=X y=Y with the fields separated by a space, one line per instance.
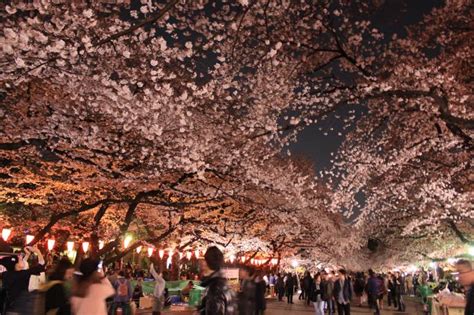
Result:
x=173 y=120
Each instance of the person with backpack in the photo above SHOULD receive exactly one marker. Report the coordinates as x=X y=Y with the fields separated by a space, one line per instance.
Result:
x=56 y=296
x=218 y=298
x=90 y=290
x=15 y=283
x=123 y=294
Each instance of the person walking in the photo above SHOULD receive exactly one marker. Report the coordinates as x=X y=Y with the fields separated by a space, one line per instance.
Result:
x=218 y=298
x=307 y=286
x=280 y=287
x=391 y=291
x=159 y=291
x=399 y=290
x=466 y=279
x=123 y=294
x=382 y=292
x=260 y=290
x=327 y=294
x=247 y=294
x=343 y=293
x=90 y=290
x=315 y=294
x=289 y=288
x=56 y=295
x=359 y=285
x=373 y=290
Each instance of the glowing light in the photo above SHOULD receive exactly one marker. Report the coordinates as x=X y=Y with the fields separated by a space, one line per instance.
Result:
x=139 y=249
x=432 y=264
x=161 y=253
x=196 y=253
x=85 y=246
x=150 y=251
x=242 y=259
x=101 y=244
x=189 y=255
x=252 y=261
x=170 y=253
x=232 y=259
x=294 y=263
x=168 y=262
x=70 y=246
x=452 y=261
x=471 y=250
x=51 y=243
x=29 y=239
x=126 y=242
x=180 y=255
x=274 y=261
x=6 y=233
x=412 y=268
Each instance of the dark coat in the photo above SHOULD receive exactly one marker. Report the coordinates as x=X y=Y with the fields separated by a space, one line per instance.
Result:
x=290 y=285
x=315 y=290
x=218 y=298
x=469 y=310
x=247 y=296
x=346 y=287
x=307 y=282
x=261 y=289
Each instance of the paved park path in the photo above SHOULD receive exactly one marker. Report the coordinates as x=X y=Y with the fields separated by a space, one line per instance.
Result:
x=413 y=307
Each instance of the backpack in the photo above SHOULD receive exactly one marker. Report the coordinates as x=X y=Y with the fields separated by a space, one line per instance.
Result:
x=122 y=289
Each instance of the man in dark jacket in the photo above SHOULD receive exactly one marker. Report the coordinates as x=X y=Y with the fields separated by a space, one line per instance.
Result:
x=466 y=279
x=280 y=286
x=373 y=290
x=343 y=293
x=289 y=288
x=307 y=285
x=247 y=294
x=218 y=298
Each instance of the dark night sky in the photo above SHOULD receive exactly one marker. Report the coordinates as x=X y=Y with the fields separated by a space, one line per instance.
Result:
x=390 y=18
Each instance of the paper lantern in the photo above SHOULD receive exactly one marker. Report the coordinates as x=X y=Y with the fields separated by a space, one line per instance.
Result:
x=232 y=259
x=189 y=255
x=242 y=259
x=161 y=253
x=180 y=254
x=29 y=239
x=252 y=261
x=51 y=243
x=126 y=242
x=150 y=251
x=139 y=249
x=101 y=244
x=85 y=246
x=196 y=253
x=274 y=261
x=6 y=233
x=70 y=246
x=169 y=261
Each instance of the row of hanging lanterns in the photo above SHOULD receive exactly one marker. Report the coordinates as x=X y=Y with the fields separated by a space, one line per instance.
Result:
x=6 y=233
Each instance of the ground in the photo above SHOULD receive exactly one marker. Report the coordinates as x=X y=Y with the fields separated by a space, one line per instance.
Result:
x=413 y=307
x=281 y=308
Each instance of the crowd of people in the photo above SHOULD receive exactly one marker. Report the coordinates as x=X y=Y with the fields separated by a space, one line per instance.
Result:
x=87 y=289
